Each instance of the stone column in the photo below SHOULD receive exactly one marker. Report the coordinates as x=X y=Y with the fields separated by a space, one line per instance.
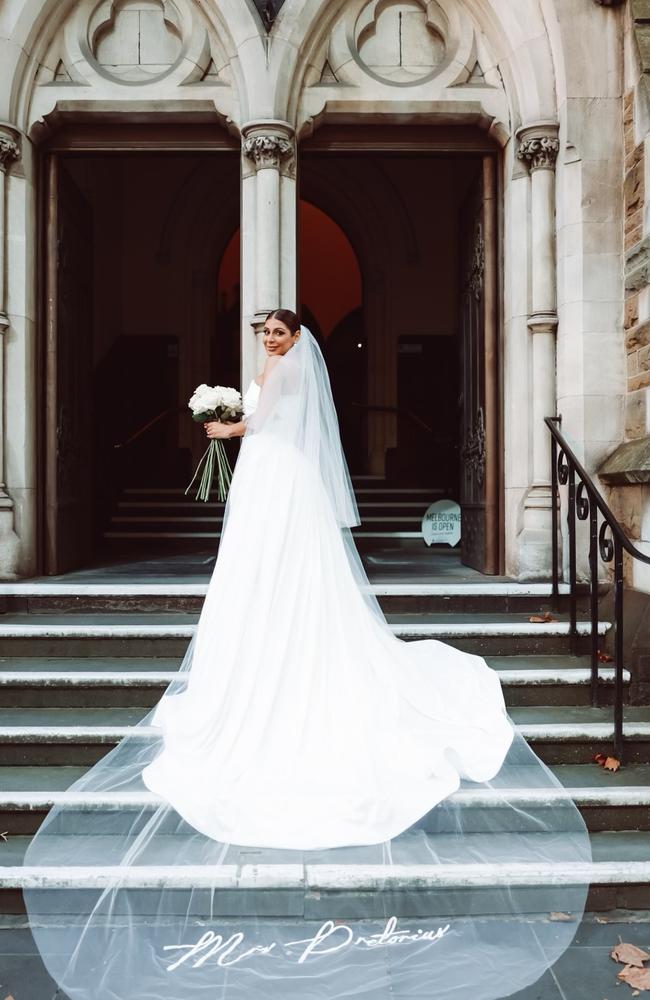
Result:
x=538 y=148
x=9 y=542
x=268 y=232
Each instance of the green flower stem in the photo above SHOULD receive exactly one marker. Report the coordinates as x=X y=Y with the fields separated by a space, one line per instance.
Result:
x=215 y=453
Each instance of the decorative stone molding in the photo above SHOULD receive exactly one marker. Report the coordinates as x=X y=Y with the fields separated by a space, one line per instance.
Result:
x=9 y=150
x=134 y=45
x=401 y=44
x=476 y=270
x=428 y=52
x=539 y=151
x=122 y=51
x=473 y=453
x=542 y=322
x=269 y=150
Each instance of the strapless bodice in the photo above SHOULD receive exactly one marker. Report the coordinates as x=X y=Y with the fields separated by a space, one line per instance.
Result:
x=250 y=398
x=285 y=409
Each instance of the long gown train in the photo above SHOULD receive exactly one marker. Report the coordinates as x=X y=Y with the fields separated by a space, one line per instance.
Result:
x=316 y=808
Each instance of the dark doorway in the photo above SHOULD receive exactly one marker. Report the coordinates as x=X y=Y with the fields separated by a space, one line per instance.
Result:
x=330 y=294
x=430 y=375
x=143 y=305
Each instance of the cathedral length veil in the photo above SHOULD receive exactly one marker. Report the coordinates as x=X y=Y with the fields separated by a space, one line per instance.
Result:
x=335 y=812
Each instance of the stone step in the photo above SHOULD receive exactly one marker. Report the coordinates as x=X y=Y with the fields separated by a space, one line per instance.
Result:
x=365 y=491
x=139 y=682
x=167 y=634
x=415 y=597
x=608 y=800
x=618 y=875
x=182 y=506
x=558 y=734
x=395 y=519
x=188 y=531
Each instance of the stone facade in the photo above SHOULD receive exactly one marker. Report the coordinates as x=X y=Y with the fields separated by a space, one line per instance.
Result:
x=624 y=471
x=558 y=85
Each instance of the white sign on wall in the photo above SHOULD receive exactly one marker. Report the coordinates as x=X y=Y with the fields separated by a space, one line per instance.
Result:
x=441 y=523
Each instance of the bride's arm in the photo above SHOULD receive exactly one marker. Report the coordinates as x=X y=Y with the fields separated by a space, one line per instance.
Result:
x=216 y=429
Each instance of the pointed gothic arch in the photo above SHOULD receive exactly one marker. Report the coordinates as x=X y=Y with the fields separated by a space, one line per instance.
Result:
x=51 y=46
x=518 y=57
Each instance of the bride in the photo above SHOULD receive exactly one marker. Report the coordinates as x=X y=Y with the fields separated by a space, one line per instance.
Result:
x=315 y=808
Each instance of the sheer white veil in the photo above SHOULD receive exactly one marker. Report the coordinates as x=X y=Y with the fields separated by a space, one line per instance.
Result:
x=127 y=900
x=296 y=404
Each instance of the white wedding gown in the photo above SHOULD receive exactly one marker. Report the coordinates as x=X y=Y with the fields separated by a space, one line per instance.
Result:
x=305 y=724
x=308 y=776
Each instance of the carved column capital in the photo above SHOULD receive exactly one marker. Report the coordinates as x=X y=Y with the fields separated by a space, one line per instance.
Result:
x=538 y=145
x=9 y=147
x=267 y=150
x=270 y=145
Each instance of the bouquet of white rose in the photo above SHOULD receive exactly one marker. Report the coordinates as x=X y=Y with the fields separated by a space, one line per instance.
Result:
x=218 y=402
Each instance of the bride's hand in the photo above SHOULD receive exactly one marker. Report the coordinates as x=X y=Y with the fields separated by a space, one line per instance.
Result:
x=217 y=429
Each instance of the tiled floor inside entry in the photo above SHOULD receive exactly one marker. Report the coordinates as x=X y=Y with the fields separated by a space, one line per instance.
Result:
x=410 y=560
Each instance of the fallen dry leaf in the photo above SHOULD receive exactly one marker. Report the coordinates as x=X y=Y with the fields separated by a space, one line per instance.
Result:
x=609 y=763
x=638 y=979
x=629 y=954
x=546 y=617
x=558 y=915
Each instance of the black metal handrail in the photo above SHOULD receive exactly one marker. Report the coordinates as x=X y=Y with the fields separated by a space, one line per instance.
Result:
x=585 y=501
x=147 y=426
x=400 y=411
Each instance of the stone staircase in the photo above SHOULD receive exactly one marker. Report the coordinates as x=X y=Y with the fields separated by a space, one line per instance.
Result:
x=81 y=663
x=150 y=514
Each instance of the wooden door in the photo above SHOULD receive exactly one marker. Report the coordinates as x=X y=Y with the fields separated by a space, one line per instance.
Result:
x=69 y=495
x=479 y=465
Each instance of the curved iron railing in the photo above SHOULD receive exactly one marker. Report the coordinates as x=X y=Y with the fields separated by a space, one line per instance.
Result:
x=585 y=501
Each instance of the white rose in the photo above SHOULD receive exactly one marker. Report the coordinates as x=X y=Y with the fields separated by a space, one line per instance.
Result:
x=211 y=399
x=202 y=399
x=230 y=397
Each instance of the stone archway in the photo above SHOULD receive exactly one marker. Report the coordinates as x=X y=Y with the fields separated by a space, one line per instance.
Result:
x=477 y=71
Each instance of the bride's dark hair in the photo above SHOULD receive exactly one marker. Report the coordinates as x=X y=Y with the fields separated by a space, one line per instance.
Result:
x=287 y=317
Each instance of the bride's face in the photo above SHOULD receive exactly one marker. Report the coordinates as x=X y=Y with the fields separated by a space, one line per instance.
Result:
x=278 y=338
